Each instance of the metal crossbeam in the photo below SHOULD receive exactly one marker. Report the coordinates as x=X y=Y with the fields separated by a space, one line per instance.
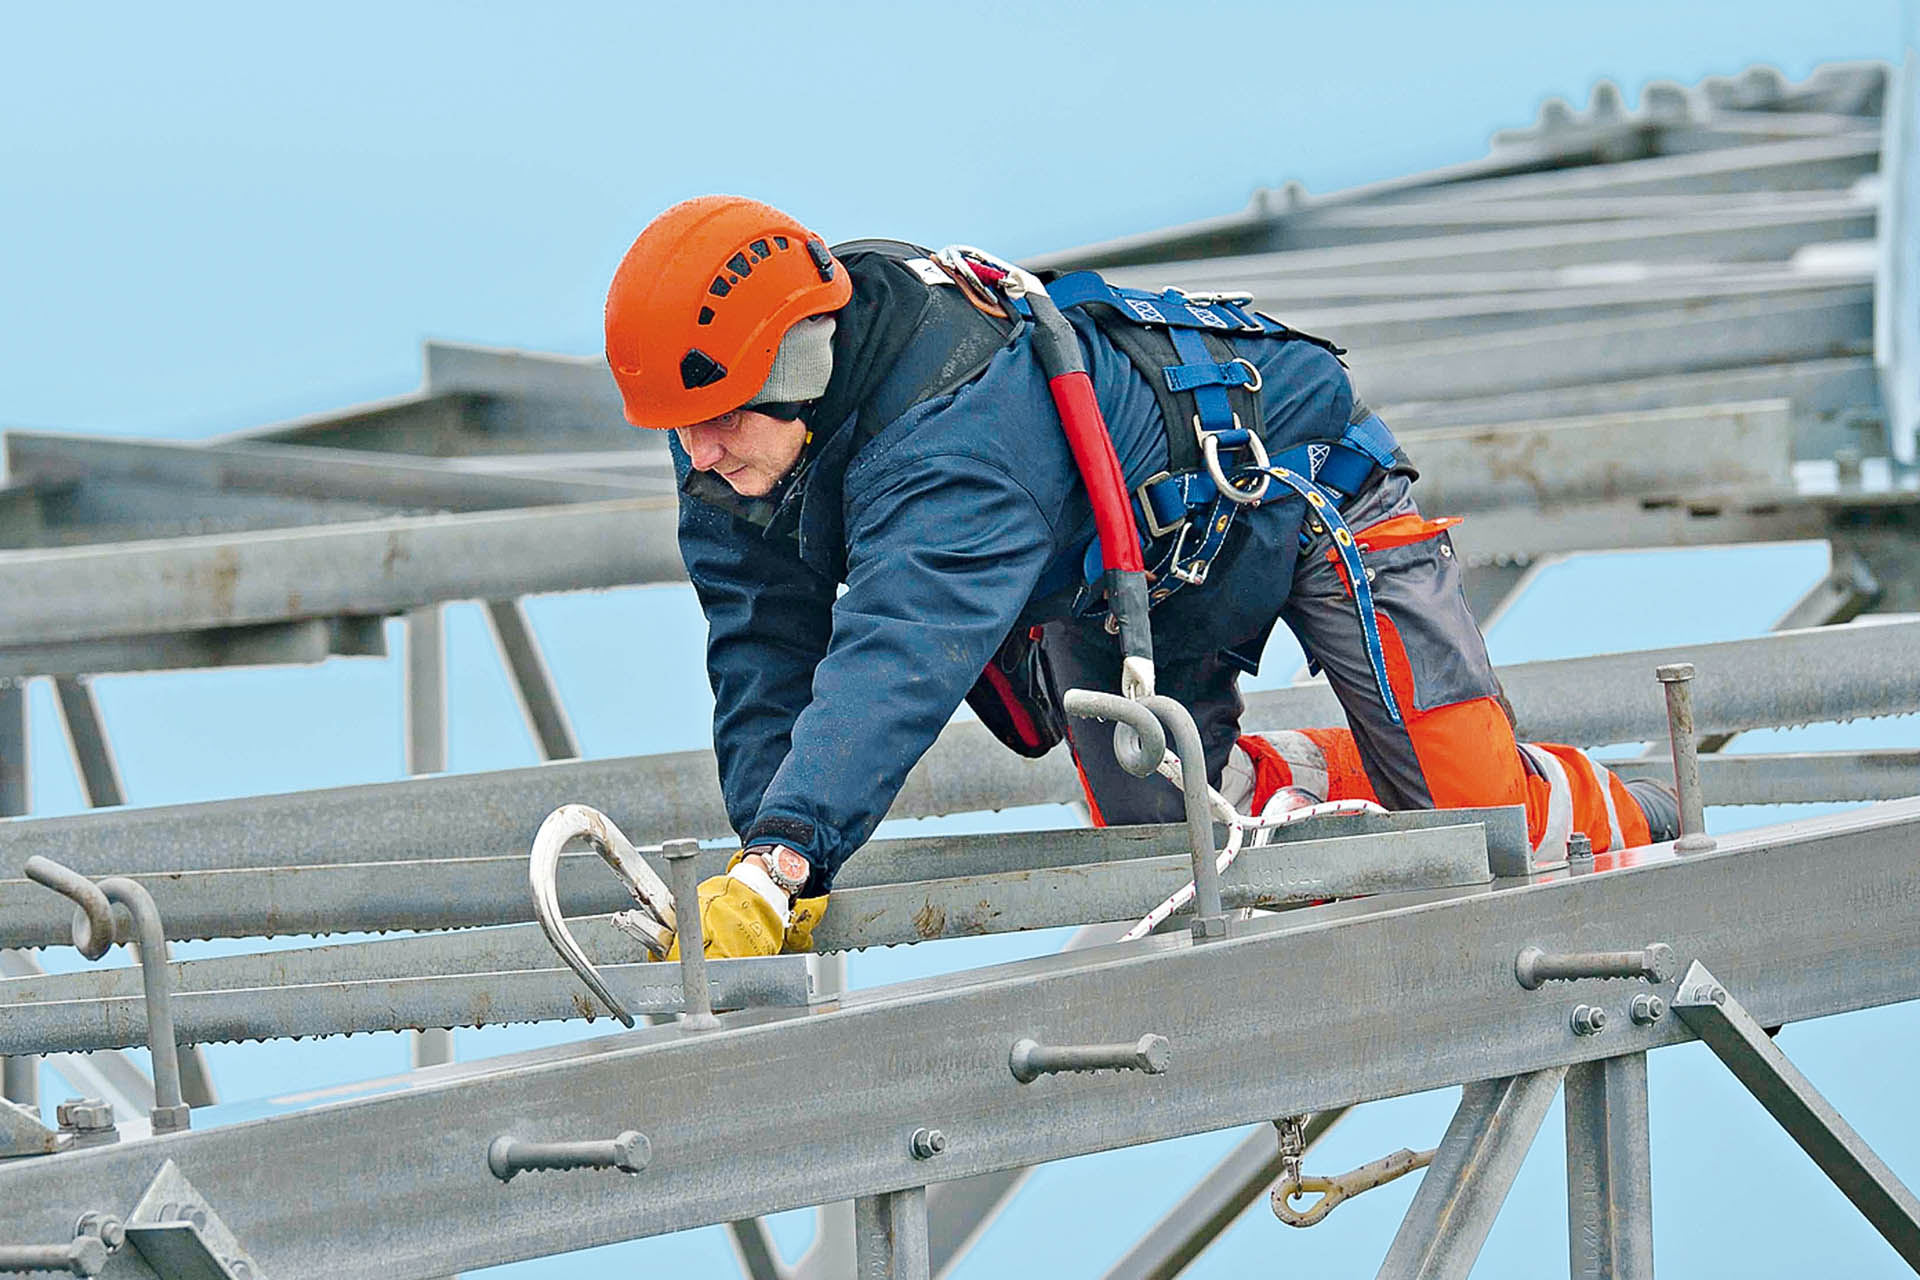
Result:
x=1809 y=918
x=1609 y=1169
x=1472 y=1171
x=1039 y=892
x=1749 y=1052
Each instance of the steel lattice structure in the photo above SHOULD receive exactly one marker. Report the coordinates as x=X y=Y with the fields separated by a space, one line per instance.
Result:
x=1692 y=324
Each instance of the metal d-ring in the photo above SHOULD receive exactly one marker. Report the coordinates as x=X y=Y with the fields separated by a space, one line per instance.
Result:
x=1210 y=450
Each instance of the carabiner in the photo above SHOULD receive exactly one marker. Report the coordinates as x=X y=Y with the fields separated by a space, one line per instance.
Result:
x=648 y=889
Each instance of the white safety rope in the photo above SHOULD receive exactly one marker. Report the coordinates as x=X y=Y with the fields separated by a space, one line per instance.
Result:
x=1238 y=825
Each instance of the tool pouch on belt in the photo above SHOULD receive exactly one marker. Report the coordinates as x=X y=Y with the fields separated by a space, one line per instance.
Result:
x=1014 y=697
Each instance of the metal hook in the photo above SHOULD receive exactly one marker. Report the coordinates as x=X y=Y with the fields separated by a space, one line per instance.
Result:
x=572 y=821
x=1332 y=1191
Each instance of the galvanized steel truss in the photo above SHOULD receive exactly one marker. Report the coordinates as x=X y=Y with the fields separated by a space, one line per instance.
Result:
x=1691 y=324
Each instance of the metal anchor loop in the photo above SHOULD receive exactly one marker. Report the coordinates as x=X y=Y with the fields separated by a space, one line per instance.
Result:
x=1333 y=1191
x=577 y=821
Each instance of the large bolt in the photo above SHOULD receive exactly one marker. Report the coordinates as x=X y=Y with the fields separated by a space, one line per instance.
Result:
x=1677 y=679
x=628 y=1152
x=927 y=1143
x=1588 y=1020
x=1652 y=963
x=1647 y=1010
x=696 y=1000
x=103 y=1227
x=1029 y=1060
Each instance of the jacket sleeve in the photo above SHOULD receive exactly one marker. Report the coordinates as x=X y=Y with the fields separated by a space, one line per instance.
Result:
x=768 y=621
x=944 y=552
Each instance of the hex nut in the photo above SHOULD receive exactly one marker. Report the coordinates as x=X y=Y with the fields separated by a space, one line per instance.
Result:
x=84 y=1115
x=103 y=1227
x=171 y=1119
x=1647 y=1010
x=1588 y=1019
x=927 y=1143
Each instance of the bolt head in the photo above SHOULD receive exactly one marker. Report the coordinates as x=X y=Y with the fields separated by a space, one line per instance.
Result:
x=1647 y=1010
x=677 y=849
x=1588 y=1019
x=173 y=1119
x=928 y=1143
x=1673 y=672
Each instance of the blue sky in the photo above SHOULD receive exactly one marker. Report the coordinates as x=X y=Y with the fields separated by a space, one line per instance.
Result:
x=216 y=216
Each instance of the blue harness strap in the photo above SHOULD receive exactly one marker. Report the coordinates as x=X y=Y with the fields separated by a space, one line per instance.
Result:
x=1170 y=309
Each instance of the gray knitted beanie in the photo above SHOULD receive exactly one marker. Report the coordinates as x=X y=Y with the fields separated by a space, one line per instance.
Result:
x=802 y=366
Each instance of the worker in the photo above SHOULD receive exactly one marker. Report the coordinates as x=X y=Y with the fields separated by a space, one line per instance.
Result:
x=881 y=516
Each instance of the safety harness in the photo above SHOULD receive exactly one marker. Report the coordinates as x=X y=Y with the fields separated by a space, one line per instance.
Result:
x=1217 y=462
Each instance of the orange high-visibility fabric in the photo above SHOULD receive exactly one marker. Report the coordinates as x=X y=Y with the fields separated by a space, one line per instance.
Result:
x=1346 y=776
x=1270 y=771
x=1466 y=749
x=1633 y=823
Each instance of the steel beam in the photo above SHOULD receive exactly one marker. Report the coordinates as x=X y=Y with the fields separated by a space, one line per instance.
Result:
x=1896 y=329
x=16 y=778
x=87 y=735
x=1809 y=919
x=460 y=892
x=1216 y=1202
x=890 y=1235
x=273 y=644
x=1797 y=165
x=365 y=567
x=753 y=1247
x=303 y=471
x=1613 y=455
x=1810 y=326
x=1474 y=1168
x=1609 y=1169
x=1741 y=1042
x=1759 y=236
x=532 y=681
x=1799 y=777
x=453 y=998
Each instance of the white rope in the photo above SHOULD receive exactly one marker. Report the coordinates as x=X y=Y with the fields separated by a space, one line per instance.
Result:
x=1238 y=824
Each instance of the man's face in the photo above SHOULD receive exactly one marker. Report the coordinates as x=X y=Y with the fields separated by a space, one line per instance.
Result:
x=750 y=451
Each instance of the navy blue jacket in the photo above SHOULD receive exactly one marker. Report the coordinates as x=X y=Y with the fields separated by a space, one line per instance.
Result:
x=949 y=526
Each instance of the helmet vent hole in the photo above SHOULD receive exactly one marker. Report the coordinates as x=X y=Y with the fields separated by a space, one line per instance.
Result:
x=698 y=369
x=706 y=315
x=719 y=288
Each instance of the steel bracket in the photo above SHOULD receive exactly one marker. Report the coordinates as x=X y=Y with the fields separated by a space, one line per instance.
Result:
x=178 y=1234
x=22 y=1134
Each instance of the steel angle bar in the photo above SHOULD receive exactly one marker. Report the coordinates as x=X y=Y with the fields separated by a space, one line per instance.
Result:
x=1487 y=312
x=460 y=892
x=890 y=1235
x=500 y=371
x=1818 y=389
x=1471 y=1173
x=1754 y=237
x=1215 y=1203
x=532 y=682
x=1848 y=590
x=1809 y=918
x=1740 y=1042
x=1876 y=525
x=304 y=471
x=1784 y=678
x=754 y=1249
x=296 y=1010
x=1612 y=455
x=1810 y=164
x=16 y=776
x=305 y=642
x=1816 y=324
x=1609 y=1169
x=1798 y=777
x=364 y=567
x=87 y=736
x=1896 y=329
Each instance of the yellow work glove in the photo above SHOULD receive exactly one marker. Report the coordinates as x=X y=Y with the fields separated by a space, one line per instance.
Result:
x=806 y=914
x=734 y=921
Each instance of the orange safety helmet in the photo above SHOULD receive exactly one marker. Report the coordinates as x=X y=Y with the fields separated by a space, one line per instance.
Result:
x=697 y=309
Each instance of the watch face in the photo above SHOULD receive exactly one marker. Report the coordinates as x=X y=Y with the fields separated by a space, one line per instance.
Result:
x=787 y=865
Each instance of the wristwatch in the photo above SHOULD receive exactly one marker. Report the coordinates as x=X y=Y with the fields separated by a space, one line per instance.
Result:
x=785 y=867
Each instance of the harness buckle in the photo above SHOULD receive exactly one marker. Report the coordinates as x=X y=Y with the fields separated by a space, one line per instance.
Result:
x=1144 y=501
x=1192 y=577
x=1210 y=450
